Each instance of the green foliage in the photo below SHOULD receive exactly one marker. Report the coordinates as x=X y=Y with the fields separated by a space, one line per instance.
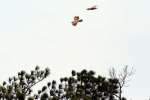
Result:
x=20 y=86
x=82 y=85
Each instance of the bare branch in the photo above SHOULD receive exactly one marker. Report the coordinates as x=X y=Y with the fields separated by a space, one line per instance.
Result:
x=112 y=73
x=124 y=76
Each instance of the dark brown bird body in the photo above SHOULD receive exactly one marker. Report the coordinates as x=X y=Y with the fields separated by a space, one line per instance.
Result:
x=92 y=8
x=76 y=20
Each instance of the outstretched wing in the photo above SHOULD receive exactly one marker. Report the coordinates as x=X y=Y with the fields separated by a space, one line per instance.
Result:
x=81 y=20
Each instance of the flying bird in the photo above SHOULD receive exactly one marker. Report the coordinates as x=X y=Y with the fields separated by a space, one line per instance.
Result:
x=76 y=20
x=92 y=8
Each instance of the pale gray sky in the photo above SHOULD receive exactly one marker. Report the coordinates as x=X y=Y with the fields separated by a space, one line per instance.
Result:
x=39 y=32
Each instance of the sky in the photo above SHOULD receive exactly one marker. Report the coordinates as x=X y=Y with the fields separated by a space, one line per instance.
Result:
x=39 y=32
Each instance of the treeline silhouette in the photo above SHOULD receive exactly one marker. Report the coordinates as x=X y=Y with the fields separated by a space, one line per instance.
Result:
x=84 y=85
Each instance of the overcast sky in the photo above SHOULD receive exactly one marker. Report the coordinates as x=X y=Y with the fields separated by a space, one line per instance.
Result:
x=39 y=32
